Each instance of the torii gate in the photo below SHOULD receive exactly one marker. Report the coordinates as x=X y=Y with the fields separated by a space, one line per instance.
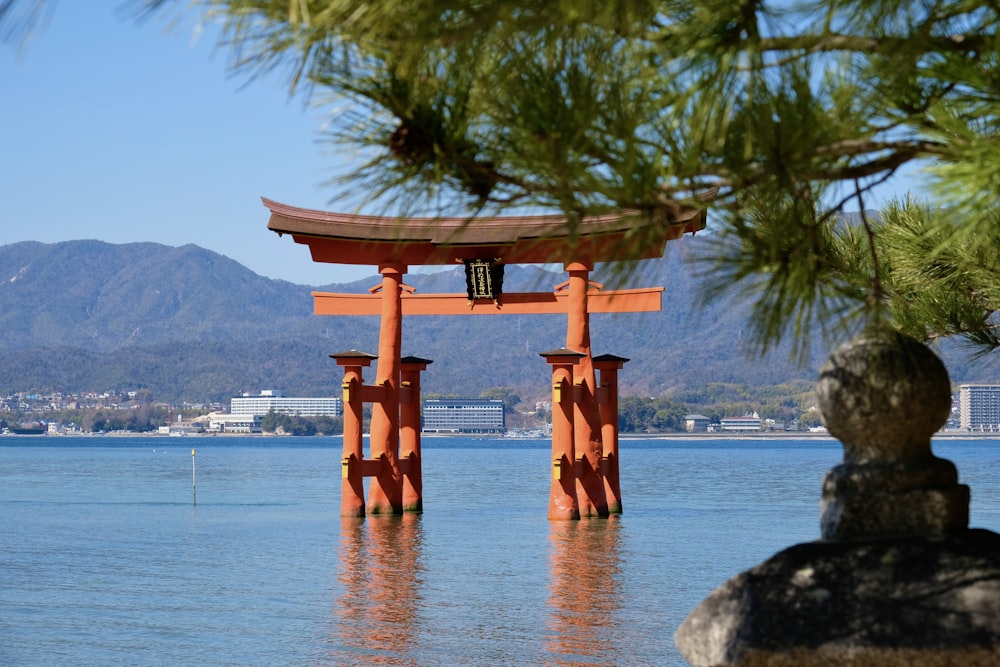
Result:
x=585 y=477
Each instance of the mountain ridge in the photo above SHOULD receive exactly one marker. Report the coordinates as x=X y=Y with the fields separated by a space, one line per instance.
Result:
x=188 y=323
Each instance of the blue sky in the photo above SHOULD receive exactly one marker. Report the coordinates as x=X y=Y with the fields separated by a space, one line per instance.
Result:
x=122 y=132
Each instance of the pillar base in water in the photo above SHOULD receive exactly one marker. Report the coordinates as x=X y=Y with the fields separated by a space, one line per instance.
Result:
x=352 y=510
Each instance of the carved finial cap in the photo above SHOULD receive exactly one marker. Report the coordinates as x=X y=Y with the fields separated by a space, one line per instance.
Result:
x=883 y=395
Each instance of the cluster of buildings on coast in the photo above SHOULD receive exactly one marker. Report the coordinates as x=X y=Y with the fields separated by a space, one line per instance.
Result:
x=976 y=410
x=750 y=423
x=247 y=412
x=57 y=401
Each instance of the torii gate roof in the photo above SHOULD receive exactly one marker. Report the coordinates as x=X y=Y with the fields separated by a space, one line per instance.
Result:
x=343 y=238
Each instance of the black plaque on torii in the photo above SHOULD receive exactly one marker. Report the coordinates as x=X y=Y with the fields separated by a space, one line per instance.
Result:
x=484 y=279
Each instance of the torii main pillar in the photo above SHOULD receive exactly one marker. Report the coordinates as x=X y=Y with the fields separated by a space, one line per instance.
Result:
x=386 y=493
x=586 y=416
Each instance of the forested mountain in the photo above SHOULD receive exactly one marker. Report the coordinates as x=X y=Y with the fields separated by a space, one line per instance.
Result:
x=187 y=323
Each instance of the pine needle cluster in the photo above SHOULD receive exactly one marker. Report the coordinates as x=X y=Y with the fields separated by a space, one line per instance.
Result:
x=777 y=116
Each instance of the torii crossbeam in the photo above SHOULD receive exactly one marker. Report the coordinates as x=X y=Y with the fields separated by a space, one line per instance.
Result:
x=585 y=479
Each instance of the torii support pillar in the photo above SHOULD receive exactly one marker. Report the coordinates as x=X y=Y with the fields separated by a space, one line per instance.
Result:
x=409 y=432
x=352 y=500
x=607 y=397
x=563 y=503
x=353 y=463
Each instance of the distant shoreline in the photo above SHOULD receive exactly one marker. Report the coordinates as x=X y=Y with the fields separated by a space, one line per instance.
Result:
x=762 y=435
x=789 y=435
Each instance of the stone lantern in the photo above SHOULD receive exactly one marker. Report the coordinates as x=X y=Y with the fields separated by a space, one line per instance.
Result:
x=898 y=578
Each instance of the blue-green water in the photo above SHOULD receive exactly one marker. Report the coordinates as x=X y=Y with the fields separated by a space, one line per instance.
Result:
x=104 y=559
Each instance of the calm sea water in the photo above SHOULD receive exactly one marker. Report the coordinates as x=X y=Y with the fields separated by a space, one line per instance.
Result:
x=105 y=560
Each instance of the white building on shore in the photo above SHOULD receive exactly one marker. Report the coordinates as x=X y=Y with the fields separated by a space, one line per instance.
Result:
x=269 y=400
x=464 y=415
x=742 y=424
x=979 y=406
x=223 y=423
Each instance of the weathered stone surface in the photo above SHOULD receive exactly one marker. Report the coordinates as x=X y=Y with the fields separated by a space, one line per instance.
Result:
x=900 y=579
x=883 y=395
x=913 y=497
x=905 y=601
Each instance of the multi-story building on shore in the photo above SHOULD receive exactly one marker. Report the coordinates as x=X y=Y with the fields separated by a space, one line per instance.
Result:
x=269 y=400
x=464 y=415
x=234 y=423
x=742 y=424
x=979 y=407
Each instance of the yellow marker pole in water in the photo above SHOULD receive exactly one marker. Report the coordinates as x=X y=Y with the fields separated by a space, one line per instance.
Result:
x=194 y=481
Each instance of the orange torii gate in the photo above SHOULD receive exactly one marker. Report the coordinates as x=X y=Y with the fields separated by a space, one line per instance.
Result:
x=585 y=479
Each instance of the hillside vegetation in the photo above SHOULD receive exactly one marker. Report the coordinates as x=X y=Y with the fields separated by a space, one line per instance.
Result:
x=185 y=323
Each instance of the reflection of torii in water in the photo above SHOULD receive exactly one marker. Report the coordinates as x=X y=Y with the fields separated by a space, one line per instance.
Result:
x=584 y=414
